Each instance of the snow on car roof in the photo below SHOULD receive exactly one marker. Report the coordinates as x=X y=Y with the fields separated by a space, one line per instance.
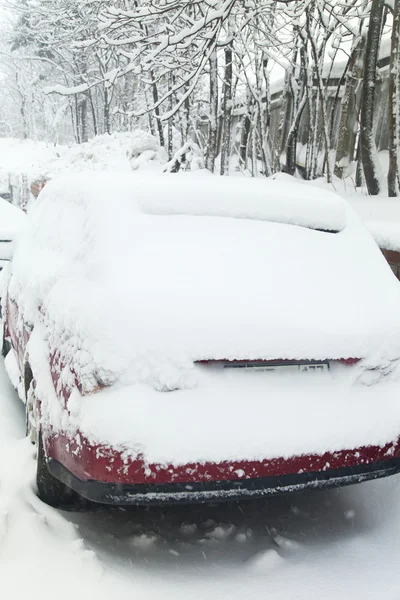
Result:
x=204 y=195
x=247 y=198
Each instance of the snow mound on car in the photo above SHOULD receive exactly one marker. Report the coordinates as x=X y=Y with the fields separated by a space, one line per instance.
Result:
x=128 y=287
x=244 y=198
x=133 y=286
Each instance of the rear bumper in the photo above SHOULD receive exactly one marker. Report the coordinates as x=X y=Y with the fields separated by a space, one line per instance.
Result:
x=105 y=475
x=219 y=491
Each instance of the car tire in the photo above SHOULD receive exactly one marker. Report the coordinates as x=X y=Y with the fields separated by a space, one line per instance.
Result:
x=6 y=346
x=51 y=490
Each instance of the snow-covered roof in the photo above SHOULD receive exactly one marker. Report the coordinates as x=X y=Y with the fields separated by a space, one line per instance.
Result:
x=336 y=69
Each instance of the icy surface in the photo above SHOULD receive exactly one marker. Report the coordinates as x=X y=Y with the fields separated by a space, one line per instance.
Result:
x=132 y=292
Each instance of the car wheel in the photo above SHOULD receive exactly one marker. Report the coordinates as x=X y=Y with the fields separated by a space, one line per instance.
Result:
x=6 y=346
x=51 y=490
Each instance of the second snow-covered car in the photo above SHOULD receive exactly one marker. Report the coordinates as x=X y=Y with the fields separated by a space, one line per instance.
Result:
x=195 y=338
x=11 y=220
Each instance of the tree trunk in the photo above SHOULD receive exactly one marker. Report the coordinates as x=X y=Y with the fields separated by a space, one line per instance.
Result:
x=285 y=116
x=77 y=120
x=157 y=110
x=245 y=133
x=254 y=156
x=83 y=120
x=106 y=114
x=184 y=121
x=73 y=124
x=213 y=124
x=265 y=122
x=23 y=117
x=321 y=108
x=297 y=99
x=312 y=124
x=394 y=105
x=291 y=145
x=350 y=106
x=149 y=115
x=93 y=111
x=227 y=112
x=22 y=108
x=369 y=154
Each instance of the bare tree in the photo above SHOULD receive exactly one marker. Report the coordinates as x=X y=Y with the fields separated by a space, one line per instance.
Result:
x=369 y=154
x=394 y=105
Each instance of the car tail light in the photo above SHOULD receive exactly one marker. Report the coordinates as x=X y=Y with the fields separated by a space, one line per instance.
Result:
x=348 y=361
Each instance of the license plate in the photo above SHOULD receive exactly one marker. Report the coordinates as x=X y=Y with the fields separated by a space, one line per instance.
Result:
x=281 y=367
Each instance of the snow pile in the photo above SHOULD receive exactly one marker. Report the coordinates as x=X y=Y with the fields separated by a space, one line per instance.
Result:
x=119 y=152
x=24 y=161
x=143 y=142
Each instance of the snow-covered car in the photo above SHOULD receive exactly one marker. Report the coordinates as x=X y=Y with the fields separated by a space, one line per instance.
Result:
x=194 y=338
x=11 y=220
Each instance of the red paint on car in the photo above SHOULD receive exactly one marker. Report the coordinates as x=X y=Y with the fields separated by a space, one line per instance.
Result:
x=101 y=463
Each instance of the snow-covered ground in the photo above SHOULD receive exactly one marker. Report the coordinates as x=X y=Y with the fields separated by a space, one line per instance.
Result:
x=338 y=544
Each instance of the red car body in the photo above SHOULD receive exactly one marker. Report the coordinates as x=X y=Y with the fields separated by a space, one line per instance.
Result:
x=102 y=474
x=308 y=316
